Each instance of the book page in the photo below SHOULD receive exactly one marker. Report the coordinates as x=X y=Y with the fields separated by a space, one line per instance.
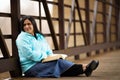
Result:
x=54 y=57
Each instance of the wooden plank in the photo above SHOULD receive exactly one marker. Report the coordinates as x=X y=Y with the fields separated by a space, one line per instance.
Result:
x=89 y=48
x=104 y=71
x=7 y=64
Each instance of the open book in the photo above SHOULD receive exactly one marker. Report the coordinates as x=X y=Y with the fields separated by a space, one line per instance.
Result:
x=54 y=57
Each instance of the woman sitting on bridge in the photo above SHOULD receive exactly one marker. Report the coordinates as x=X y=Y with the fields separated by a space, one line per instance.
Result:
x=33 y=48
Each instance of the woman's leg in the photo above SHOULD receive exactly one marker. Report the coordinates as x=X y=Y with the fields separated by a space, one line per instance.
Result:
x=75 y=70
x=49 y=69
x=78 y=69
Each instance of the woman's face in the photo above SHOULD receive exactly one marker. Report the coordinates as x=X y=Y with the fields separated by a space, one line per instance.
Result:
x=28 y=27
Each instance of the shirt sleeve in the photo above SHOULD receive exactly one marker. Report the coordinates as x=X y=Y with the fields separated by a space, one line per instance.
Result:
x=48 y=49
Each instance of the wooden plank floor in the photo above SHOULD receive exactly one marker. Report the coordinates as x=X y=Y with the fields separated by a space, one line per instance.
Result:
x=109 y=68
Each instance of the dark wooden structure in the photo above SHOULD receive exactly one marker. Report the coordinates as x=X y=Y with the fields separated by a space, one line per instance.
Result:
x=89 y=33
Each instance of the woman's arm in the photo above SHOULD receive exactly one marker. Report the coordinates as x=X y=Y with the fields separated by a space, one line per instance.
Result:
x=25 y=50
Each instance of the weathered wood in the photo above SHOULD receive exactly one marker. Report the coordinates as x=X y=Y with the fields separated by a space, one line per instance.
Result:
x=92 y=29
x=87 y=18
x=3 y=46
x=12 y=64
x=50 y=24
x=70 y=23
x=109 y=23
x=119 y=27
x=5 y=14
x=81 y=22
x=61 y=24
x=104 y=71
x=15 y=15
x=8 y=64
x=89 y=48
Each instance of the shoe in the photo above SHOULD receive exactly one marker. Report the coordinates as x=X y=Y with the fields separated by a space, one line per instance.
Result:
x=90 y=67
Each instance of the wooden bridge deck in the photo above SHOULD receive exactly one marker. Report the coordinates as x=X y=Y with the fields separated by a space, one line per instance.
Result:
x=109 y=68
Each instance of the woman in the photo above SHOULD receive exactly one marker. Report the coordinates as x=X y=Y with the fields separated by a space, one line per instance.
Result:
x=33 y=48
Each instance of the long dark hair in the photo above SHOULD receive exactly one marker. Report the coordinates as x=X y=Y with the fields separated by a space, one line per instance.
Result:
x=23 y=18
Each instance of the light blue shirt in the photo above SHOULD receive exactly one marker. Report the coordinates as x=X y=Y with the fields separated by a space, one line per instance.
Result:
x=31 y=50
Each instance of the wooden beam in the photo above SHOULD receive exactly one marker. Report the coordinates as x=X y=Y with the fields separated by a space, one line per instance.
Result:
x=3 y=46
x=89 y=48
x=61 y=24
x=119 y=26
x=15 y=15
x=50 y=24
x=109 y=23
x=8 y=64
x=104 y=20
x=92 y=29
x=81 y=22
x=87 y=23
x=70 y=22
x=87 y=18
x=5 y=14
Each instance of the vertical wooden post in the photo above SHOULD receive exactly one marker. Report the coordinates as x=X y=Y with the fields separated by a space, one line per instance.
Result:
x=117 y=22
x=15 y=15
x=104 y=22
x=87 y=18
x=109 y=23
x=70 y=22
x=76 y=57
x=119 y=27
x=92 y=29
x=61 y=24
x=40 y=24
